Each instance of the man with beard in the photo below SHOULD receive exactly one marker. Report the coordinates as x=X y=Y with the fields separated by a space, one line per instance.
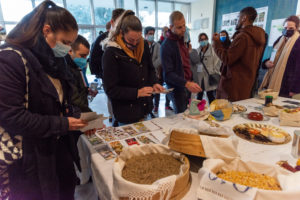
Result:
x=241 y=59
x=283 y=74
x=175 y=60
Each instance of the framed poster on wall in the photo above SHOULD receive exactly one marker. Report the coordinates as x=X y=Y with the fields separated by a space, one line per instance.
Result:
x=230 y=20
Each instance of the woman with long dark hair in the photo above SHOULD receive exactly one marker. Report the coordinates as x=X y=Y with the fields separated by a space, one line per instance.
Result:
x=32 y=68
x=129 y=76
x=225 y=39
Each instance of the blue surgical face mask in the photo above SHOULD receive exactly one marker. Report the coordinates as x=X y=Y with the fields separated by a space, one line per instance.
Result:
x=203 y=43
x=187 y=36
x=150 y=38
x=80 y=62
x=223 y=38
x=60 y=49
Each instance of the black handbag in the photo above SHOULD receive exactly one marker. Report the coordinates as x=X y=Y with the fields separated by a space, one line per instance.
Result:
x=213 y=79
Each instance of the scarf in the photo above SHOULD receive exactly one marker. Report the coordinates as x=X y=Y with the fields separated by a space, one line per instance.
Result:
x=53 y=66
x=137 y=53
x=184 y=54
x=274 y=76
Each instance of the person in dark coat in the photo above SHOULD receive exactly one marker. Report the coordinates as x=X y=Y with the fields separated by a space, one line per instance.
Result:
x=241 y=60
x=129 y=76
x=97 y=49
x=97 y=54
x=176 y=63
x=76 y=60
x=283 y=73
x=46 y=170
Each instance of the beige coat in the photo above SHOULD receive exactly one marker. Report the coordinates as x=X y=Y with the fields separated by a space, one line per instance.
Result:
x=212 y=63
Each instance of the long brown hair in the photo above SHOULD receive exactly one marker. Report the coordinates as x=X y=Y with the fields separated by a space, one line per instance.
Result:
x=126 y=22
x=25 y=33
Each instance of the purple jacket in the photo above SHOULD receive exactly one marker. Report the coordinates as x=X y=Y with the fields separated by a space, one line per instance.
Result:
x=41 y=126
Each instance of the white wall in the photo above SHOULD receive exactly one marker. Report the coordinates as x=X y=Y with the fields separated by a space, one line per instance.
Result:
x=201 y=9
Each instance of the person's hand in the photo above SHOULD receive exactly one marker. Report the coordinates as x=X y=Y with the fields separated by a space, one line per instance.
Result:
x=193 y=87
x=158 y=88
x=291 y=94
x=269 y=64
x=76 y=124
x=216 y=37
x=145 y=92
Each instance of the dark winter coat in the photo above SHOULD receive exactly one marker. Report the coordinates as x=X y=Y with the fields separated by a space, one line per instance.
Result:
x=122 y=78
x=171 y=60
x=240 y=63
x=48 y=148
x=96 y=56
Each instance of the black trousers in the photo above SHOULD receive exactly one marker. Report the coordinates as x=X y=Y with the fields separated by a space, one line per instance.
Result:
x=24 y=181
x=210 y=95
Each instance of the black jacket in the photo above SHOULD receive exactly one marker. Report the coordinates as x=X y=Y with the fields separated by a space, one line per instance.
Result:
x=80 y=91
x=122 y=78
x=96 y=56
x=46 y=139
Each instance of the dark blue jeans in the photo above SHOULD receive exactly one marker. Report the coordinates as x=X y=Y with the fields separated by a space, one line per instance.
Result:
x=180 y=99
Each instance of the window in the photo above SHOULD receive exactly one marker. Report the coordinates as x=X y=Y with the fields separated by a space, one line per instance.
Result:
x=185 y=9
x=87 y=33
x=81 y=10
x=127 y=4
x=98 y=30
x=103 y=11
x=15 y=10
x=147 y=12
x=164 y=11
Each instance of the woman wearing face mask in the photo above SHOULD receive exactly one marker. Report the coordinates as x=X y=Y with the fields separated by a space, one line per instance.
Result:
x=283 y=66
x=205 y=62
x=36 y=64
x=129 y=76
x=224 y=38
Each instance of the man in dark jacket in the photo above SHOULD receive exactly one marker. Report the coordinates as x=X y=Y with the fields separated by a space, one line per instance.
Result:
x=76 y=60
x=241 y=59
x=97 y=50
x=176 y=64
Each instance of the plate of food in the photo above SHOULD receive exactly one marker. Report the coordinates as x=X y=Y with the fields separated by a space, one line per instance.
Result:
x=262 y=133
x=238 y=108
x=255 y=116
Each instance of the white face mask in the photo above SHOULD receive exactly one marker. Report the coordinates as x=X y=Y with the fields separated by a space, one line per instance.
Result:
x=60 y=49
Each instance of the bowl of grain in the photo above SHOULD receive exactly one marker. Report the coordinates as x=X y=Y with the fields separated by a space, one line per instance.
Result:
x=150 y=171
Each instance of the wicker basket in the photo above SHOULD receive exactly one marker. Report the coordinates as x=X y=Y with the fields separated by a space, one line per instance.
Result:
x=182 y=183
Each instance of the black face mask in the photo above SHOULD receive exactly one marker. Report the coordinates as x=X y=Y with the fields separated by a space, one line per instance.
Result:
x=129 y=46
x=288 y=33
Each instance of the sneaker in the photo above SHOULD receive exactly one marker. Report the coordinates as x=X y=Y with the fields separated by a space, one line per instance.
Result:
x=155 y=110
x=169 y=108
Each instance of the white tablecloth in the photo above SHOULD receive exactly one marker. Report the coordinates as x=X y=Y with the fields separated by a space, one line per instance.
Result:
x=101 y=169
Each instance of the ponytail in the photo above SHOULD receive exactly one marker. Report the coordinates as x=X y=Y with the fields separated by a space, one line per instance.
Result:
x=126 y=22
x=25 y=33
